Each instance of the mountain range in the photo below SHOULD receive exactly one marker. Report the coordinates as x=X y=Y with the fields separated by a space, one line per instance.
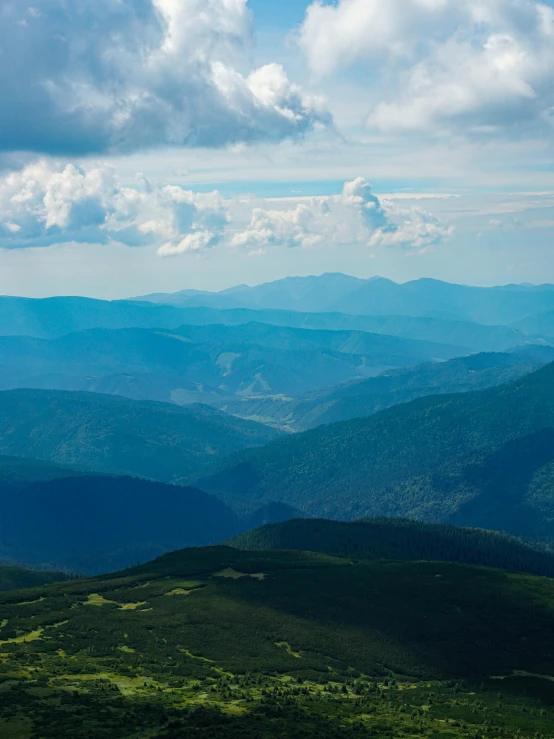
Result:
x=206 y=363
x=377 y=296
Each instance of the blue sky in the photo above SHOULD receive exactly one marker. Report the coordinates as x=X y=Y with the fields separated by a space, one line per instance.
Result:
x=150 y=145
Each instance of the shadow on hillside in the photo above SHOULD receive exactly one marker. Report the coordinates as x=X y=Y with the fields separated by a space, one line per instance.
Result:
x=502 y=483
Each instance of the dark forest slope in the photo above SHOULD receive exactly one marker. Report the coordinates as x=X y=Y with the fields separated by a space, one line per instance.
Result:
x=399 y=539
x=356 y=468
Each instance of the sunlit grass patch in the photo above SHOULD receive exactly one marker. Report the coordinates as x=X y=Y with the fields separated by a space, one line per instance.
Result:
x=289 y=649
x=24 y=638
x=232 y=574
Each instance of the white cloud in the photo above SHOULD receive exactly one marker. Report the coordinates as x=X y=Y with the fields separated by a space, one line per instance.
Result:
x=45 y=204
x=123 y=75
x=354 y=216
x=478 y=66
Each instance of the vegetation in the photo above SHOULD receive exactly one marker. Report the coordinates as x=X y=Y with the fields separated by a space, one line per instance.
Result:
x=15 y=578
x=222 y=643
x=106 y=433
x=383 y=538
x=381 y=465
x=365 y=397
x=97 y=524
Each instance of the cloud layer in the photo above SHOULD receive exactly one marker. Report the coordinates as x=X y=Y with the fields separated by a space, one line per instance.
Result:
x=478 y=66
x=101 y=76
x=356 y=216
x=46 y=204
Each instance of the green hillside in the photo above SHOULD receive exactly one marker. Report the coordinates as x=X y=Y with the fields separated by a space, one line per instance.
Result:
x=16 y=578
x=222 y=643
x=108 y=433
x=383 y=538
x=366 y=467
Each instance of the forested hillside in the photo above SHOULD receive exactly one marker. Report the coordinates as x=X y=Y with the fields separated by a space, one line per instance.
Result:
x=383 y=538
x=102 y=432
x=207 y=363
x=366 y=467
x=221 y=643
x=15 y=578
x=365 y=397
x=100 y=523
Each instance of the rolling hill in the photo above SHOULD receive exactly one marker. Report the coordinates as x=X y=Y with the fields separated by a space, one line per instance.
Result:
x=473 y=337
x=400 y=539
x=16 y=578
x=365 y=397
x=76 y=521
x=100 y=523
x=205 y=363
x=101 y=432
x=222 y=643
x=381 y=465
x=50 y=318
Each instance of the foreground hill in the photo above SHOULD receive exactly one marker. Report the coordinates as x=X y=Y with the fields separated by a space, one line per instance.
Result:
x=107 y=433
x=370 y=466
x=365 y=397
x=383 y=538
x=221 y=643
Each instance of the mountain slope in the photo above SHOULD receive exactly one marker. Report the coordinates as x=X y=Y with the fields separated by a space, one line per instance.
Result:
x=16 y=578
x=473 y=336
x=383 y=538
x=354 y=468
x=365 y=397
x=236 y=645
x=100 y=523
x=50 y=318
x=102 y=432
x=206 y=362
x=317 y=604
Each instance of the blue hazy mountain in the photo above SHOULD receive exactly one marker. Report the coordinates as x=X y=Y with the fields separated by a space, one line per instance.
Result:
x=378 y=296
x=365 y=397
x=201 y=363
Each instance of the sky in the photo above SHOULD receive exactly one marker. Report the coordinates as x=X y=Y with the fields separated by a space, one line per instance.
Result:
x=158 y=145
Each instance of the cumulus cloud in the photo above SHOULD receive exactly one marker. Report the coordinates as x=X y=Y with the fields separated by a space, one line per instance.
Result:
x=479 y=66
x=121 y=75
x=354 y=216
x=45 y=204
